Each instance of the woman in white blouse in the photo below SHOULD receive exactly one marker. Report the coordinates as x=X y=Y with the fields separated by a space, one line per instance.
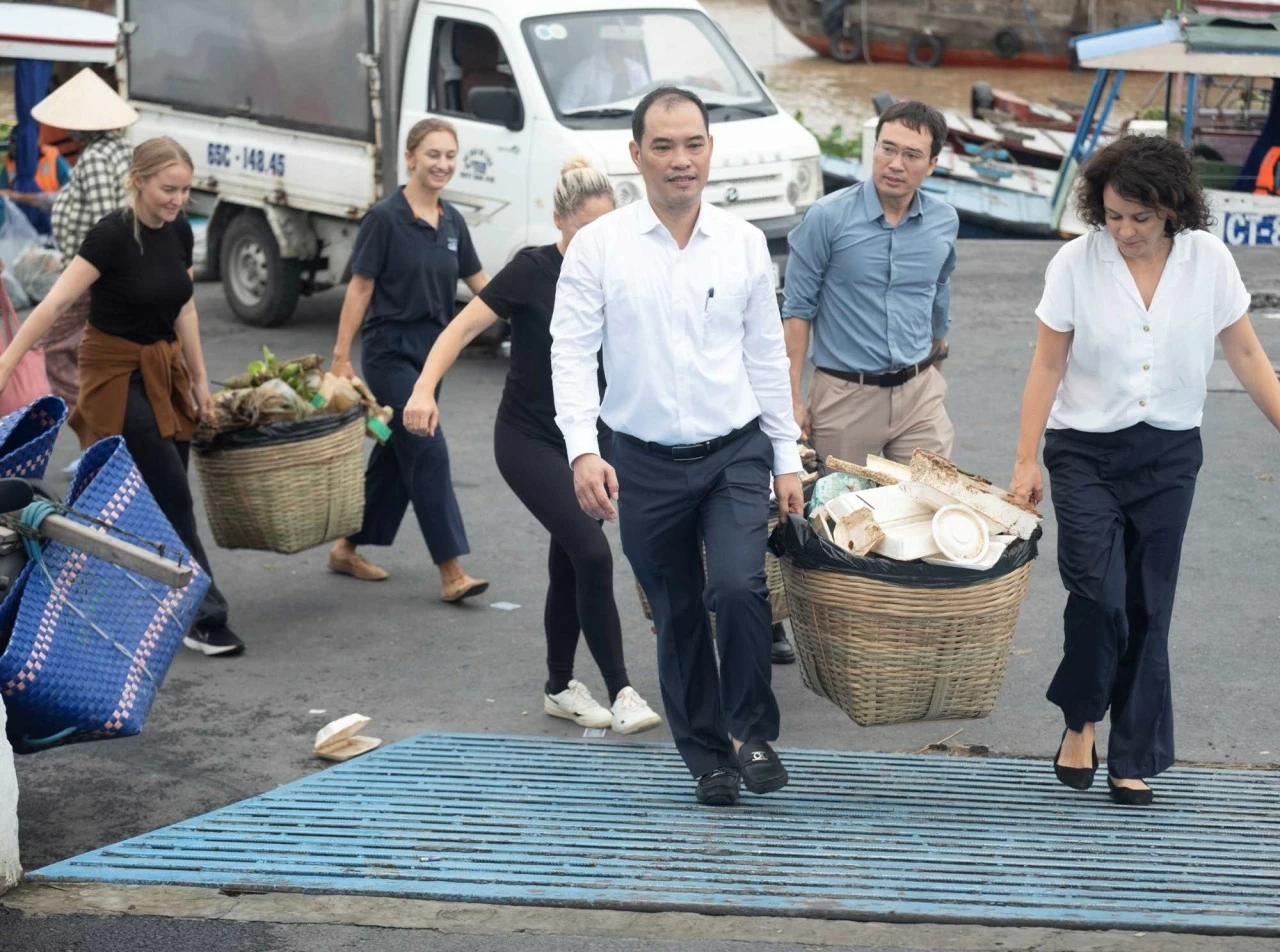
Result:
x=1128 y=321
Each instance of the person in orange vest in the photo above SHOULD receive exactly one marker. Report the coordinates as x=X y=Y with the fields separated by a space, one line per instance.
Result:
x=52 y=173
x=1268 y=181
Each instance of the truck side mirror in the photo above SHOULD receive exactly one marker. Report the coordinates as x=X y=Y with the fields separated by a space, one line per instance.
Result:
x=499 y=104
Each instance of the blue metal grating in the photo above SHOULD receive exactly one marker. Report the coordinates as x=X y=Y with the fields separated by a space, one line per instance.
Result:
x=474 y=818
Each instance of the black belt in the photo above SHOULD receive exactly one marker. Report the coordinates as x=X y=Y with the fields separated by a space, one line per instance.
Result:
x=895 y=378
x=689 y=452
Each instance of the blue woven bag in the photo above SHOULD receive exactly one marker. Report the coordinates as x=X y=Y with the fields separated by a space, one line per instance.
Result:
x=92 y=642
x=27 y=437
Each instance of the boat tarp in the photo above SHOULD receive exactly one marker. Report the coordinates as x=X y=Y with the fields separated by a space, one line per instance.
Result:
x=1208 y=34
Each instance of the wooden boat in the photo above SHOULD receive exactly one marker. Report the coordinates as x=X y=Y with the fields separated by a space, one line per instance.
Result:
x=956 y=32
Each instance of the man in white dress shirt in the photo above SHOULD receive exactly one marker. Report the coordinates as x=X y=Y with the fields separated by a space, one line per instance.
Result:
x=680 y=296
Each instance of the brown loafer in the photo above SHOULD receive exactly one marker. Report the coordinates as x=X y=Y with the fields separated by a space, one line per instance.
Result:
x=464 y=587
x=357 y=566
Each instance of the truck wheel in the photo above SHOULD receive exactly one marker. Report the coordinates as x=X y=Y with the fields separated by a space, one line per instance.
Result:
x=261 y=287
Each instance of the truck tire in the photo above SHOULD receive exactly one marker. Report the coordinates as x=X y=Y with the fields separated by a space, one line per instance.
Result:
x=1006 y=43
x=261 y=287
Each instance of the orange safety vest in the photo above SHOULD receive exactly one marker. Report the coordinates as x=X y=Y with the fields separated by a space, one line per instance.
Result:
x=46 y=169
x=1268 y=173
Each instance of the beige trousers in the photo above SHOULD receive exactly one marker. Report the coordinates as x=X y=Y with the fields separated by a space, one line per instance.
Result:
x=850 y=420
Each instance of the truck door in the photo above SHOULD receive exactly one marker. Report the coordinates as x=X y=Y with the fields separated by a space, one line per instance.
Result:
x=467 y=79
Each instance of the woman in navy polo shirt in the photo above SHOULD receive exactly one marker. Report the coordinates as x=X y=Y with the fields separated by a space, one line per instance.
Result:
x=411 y=249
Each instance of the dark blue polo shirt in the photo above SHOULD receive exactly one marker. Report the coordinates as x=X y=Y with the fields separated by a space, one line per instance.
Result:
x=415 y=268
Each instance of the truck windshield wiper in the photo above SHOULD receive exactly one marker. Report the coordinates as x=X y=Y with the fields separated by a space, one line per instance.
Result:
x=748 y=108
x=608 y=112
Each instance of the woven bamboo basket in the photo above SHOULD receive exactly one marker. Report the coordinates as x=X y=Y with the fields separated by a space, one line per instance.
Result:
x=773 y=576
x=286 y=497
x=886 y=653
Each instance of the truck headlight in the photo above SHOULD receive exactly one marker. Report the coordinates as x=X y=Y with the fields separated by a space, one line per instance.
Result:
x=627 y=191
x=806 y=182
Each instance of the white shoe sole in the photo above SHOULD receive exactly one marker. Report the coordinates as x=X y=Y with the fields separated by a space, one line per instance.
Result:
x=210 y=650
x=582 y=720
x=636 y=726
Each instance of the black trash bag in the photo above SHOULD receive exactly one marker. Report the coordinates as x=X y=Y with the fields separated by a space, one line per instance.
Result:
x=795 y=541
x=278 y=434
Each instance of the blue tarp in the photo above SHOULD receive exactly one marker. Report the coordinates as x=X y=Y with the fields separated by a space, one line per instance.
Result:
x=31 y=84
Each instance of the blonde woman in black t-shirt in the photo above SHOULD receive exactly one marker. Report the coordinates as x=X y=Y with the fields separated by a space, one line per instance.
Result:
x=530 y=453
x=142 y=373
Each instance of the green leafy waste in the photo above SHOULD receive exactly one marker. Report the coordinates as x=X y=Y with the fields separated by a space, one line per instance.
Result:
x=834 y=143
x=293 y=373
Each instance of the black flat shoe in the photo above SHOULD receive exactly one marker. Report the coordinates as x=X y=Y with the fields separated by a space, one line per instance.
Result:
x=1077 y=778
x=1128 y=796
x=782 y=653
x=762 y=771
x=719 y=788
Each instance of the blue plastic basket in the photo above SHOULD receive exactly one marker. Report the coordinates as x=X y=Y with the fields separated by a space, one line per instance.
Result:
x=91 y=642
x=27 y=437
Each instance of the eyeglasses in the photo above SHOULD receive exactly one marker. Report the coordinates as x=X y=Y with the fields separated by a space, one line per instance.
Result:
x=891 y=152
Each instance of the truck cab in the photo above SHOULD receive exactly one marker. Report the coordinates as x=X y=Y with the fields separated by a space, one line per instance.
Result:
x=531 y=83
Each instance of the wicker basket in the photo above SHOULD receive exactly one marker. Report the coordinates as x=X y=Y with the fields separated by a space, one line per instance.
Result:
x=286 y=497
x=886 y=653
x=773 y=576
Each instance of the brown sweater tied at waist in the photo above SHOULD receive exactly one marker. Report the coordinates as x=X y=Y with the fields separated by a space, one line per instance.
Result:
x=106 y=364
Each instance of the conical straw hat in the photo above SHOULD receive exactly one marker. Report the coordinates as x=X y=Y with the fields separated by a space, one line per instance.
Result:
x=84 y=103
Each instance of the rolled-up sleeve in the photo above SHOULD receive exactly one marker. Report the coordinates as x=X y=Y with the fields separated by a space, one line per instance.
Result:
x=809 y=247
x=942 y=297
x=577 y=330
x=764 y=354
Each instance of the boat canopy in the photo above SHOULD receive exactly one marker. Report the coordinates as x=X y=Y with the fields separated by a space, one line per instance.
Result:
x=39 y=31
x=1195 y=44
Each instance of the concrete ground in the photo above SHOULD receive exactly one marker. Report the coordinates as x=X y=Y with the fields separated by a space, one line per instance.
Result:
x=223 y=730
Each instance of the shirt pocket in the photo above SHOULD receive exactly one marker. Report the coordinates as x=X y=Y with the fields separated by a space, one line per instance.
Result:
x=721 y=322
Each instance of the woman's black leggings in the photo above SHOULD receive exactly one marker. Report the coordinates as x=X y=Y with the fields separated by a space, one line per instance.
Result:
x=580 y=593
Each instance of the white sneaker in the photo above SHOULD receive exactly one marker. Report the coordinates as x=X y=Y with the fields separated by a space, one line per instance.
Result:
x=632 y=714
x=576 y=704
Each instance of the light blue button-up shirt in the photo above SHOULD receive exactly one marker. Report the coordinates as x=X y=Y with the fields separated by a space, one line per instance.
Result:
x=878 y=295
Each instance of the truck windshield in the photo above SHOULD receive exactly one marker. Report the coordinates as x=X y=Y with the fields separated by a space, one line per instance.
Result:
x=597 y=66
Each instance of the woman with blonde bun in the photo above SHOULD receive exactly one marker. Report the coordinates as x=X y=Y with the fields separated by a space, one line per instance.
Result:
x=530 y=453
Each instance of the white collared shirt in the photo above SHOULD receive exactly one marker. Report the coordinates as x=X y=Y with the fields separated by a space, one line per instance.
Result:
x=692 y=338
x=1128 y=364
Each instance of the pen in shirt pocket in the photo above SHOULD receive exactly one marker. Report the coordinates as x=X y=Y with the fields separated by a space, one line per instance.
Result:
x=711 y=292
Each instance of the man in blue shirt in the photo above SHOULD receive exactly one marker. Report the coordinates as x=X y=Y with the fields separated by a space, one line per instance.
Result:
x=870 y=272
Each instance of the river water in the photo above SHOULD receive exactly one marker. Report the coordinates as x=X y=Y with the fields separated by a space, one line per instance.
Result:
x=831 y=93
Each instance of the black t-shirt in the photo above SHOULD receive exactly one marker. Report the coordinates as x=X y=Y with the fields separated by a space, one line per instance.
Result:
x=415 y=268
x=524 y=294
x=142 y=289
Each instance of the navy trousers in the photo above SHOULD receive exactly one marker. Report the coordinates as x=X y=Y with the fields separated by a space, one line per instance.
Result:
x=1122 y=500
x=408 y=468
x=664 y=508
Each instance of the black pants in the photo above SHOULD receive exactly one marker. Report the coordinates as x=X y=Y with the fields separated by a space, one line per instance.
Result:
x=163 y=466
x=665 y=508
x=580 y=564
x=408 y=468
x=1122 y=501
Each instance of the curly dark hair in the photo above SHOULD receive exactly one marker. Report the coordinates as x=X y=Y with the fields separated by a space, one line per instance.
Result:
x=1149 y=170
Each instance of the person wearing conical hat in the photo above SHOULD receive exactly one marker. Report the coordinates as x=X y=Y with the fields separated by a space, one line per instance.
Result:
x=95 y=114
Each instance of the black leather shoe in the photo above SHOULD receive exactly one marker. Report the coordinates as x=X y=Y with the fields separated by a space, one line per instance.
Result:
x=1077 y=778
x=719 y=788
x=783 y=653
x=1128 y=796
x=762 y=771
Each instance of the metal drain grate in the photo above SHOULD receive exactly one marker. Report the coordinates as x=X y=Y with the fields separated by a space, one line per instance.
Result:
x=475 y=818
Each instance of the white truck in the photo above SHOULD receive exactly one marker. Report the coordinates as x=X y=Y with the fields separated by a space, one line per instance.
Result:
x=294 y=112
